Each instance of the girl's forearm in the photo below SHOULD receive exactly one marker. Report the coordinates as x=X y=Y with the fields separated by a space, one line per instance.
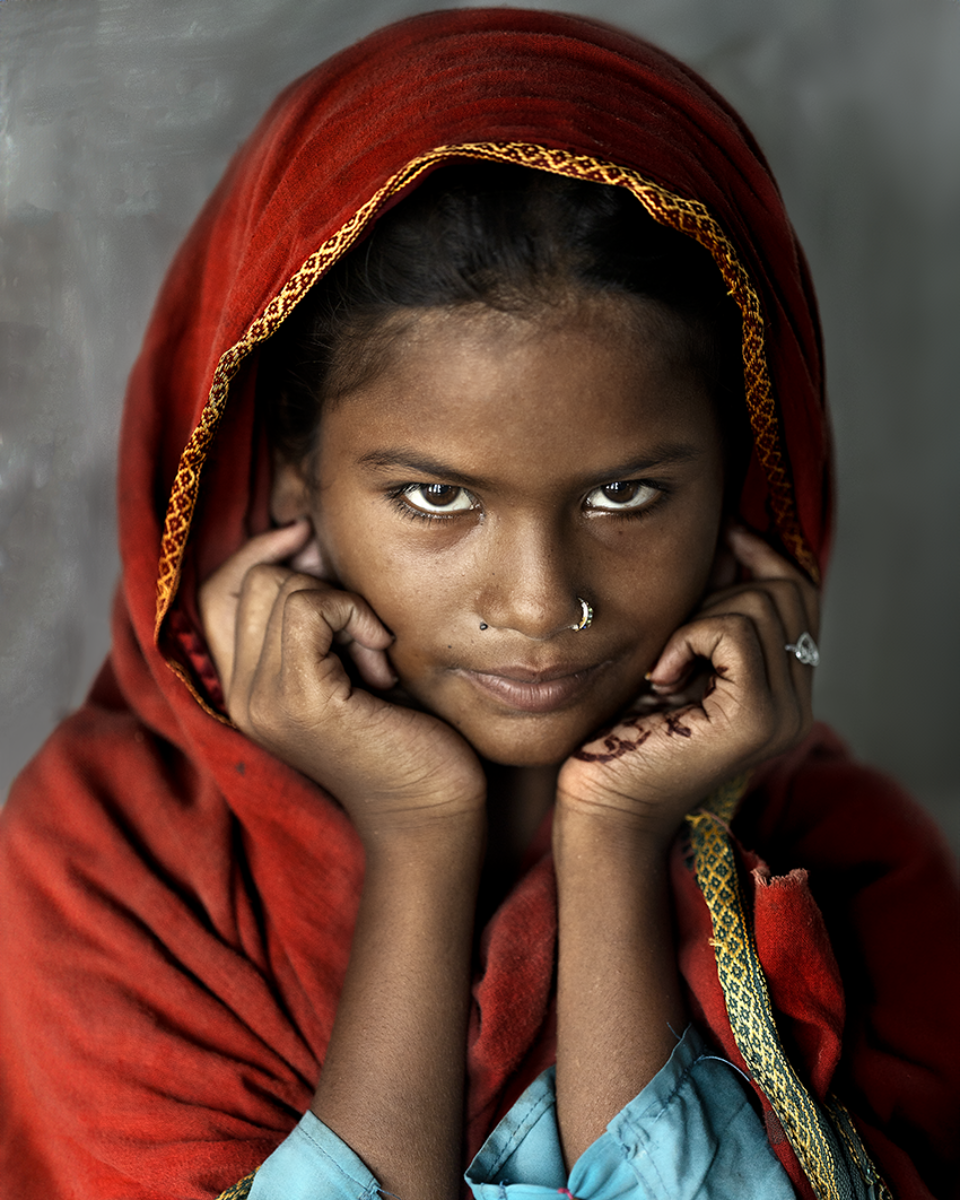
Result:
x=620 y=1009
x=392 y=1083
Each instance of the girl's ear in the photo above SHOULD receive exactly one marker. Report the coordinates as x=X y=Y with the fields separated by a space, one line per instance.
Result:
x=723 y=573
x=290 y=501
x=290 y=494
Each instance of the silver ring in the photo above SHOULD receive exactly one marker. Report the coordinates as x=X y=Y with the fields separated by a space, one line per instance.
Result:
x=586 y=616
x=804 y=649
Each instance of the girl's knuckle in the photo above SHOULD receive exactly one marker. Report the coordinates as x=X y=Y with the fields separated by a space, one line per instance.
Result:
x=763 y=602
x=737 y=625
x=260 y=577
x=296 y=608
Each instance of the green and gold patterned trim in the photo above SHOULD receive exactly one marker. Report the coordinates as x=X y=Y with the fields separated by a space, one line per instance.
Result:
x=856 y=1150
x=240 y=1190
x=826 y=1144
x=724 y=801
x=688 y=216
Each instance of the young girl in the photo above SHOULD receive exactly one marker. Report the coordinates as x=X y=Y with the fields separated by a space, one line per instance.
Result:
x=450 y=798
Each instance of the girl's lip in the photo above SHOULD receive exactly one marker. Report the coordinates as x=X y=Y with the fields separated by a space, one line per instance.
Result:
x=532 y=691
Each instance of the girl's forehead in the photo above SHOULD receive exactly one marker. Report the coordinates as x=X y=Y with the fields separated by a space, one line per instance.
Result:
x=602 y=341
x=570 y=385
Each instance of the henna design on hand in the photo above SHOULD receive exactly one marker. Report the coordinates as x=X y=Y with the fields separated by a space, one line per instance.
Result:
x=616 y=747
x=676 y=726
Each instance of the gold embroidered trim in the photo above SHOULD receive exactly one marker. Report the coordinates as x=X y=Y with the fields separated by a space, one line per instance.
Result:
x=724 y=801
x=855 y=1148
x=688 y=216
x=240 y=1190
x=184 y=676
x=186 y=484
x=809 y=1131
x=749 y=1008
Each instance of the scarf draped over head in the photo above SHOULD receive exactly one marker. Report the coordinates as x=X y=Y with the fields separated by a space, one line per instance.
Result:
x=346 y=142
x=181 y=903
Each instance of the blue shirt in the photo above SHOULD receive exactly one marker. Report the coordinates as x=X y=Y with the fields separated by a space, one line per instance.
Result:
x=691 y=1134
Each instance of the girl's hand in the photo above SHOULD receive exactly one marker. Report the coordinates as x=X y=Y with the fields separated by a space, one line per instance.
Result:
x=750 y=701
x=272 y=633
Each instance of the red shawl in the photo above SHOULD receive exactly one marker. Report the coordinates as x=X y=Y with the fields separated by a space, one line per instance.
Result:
x=177 y=905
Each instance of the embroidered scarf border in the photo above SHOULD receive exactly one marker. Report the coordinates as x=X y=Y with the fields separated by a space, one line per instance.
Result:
x=688 y=216
x=828 y=1147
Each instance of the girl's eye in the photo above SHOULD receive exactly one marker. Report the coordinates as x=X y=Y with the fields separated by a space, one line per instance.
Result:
x=438 y=499
x=621 y=496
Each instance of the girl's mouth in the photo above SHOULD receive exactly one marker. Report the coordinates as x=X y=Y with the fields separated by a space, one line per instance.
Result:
x=526 y=690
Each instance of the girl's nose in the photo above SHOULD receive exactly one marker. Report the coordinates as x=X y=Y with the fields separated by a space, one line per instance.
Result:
x=529 y=585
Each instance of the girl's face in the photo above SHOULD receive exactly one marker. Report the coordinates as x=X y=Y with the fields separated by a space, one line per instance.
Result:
x=499 y=468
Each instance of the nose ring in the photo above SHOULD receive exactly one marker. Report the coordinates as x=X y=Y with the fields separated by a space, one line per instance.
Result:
x=586 y=616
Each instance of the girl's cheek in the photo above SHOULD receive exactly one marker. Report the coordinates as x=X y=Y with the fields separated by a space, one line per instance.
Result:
x=349 y=546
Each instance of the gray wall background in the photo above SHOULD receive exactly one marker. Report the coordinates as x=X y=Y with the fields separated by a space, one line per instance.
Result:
x=118 y=116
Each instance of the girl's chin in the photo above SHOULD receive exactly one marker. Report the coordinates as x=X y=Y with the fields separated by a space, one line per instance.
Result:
x=531 y=760
x=525 y=744
x=517 y=738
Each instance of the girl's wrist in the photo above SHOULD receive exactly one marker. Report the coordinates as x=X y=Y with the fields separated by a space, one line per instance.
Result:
x=587 y=830
x=434 y=846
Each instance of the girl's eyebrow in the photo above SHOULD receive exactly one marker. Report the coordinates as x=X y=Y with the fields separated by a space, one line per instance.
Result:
x=664 y=454
x=420 y=464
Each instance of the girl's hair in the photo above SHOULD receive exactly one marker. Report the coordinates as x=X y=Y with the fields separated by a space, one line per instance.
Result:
x=512 y=239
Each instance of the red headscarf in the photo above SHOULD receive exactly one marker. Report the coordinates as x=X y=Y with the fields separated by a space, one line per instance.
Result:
x=177 y=905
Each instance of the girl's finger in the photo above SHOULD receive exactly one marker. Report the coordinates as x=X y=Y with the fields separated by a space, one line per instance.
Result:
x=763 y=563
x=346 y=618
x=274 y=546
x=744 y=643
x=374 y=666
x=776 y=604
x=774 y=609
x=730 y=641
x=259 y=594
x=798 y=600
x=760 y=558
x=287 y=624
x=219 y=595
